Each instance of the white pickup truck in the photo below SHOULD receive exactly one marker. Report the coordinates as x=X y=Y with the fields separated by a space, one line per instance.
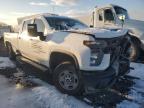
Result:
x=78 y=57
x=110 y=16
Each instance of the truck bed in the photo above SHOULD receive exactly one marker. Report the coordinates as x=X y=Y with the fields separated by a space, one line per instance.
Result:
x=11 y=38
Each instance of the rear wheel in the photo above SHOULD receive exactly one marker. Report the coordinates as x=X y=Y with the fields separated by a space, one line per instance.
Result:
x=67 y=79
x=11 y=53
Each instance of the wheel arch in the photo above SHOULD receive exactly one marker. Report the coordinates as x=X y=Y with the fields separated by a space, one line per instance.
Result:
x=136 y=40
x=57 y=57
x=135 y=35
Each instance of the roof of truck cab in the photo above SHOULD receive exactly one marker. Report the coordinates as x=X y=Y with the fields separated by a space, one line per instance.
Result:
x=37 y=15
x=20 y=20
x=108 y=5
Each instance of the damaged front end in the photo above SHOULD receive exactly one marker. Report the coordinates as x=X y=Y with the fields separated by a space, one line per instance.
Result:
x=119 y=55
x=119 y=63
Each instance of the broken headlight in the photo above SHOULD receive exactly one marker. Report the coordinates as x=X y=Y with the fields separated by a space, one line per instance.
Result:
x=96 y=44
x=96 y=51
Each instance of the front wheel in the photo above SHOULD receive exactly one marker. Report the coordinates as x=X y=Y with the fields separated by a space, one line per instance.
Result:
x=67 y=79
x=134 y=51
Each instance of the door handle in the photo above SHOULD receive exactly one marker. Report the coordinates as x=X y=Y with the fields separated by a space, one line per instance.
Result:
x=19 y=37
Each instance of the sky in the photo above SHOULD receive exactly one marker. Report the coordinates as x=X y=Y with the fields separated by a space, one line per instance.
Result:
x=10 y=10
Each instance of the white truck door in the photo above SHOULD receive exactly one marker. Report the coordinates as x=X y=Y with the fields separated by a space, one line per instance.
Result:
x=23 y=39
x=39 y=49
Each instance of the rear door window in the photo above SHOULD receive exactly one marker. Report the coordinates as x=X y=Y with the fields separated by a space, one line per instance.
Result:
x=40 y=25
x=100 y=15
x=25 y=25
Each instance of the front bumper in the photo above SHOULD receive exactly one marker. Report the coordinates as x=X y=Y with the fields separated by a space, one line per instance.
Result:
x=98 y=80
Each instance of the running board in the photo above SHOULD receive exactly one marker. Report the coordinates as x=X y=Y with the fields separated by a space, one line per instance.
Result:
x=39 y=66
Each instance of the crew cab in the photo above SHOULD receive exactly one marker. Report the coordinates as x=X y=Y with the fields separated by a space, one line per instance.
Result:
x=78 y=57
x=114 y=16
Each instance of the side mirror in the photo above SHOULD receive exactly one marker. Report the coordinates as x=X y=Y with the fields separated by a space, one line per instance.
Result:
x=41 y=36
x=91 y=26
x=32 y=30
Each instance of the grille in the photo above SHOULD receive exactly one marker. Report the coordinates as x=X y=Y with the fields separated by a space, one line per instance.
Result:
x=117 y=47
x=112 y=45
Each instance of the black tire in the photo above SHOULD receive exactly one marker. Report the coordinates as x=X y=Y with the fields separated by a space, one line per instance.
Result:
x=11 y=54
x=134 y=52
x=60 y=74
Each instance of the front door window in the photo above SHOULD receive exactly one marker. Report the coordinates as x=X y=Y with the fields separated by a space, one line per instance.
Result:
x=108 y=16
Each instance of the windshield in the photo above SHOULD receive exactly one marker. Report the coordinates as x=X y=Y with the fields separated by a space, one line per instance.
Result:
x=59 y=23
x=121 y=11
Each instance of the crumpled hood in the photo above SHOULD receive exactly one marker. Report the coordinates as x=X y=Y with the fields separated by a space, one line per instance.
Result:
x=101 y=33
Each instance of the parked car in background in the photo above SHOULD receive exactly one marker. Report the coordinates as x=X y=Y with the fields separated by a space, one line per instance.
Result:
x=78 y=57
x=4 y=29
x=113 y=16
